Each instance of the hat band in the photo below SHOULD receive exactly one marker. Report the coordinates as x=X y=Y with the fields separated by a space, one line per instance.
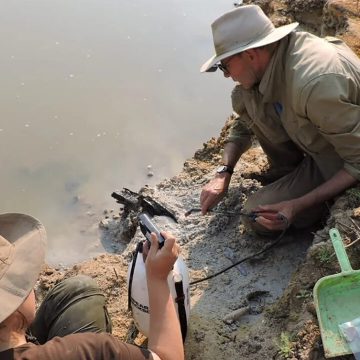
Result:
x=266 y=32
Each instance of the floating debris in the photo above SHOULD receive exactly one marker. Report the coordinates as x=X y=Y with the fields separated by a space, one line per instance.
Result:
x=150 y=172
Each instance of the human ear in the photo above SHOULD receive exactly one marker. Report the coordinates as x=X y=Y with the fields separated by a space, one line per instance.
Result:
x=250 y=54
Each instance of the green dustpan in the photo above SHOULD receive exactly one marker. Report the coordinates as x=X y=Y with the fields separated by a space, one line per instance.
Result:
x=337 y=300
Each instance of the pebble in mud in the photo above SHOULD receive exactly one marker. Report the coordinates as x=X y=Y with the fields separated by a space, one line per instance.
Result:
x=150 y=172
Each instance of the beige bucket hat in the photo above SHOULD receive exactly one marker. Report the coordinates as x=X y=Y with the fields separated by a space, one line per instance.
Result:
x=22 y=254
x=245 y=27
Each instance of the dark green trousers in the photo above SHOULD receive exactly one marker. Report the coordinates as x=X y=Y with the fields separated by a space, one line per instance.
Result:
x=304 y=178
x=74 y=305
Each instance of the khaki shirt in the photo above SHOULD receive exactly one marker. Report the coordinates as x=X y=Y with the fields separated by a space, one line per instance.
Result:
x=309 y=94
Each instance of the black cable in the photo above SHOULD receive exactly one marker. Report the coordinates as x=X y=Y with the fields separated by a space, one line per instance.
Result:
x=242 y=260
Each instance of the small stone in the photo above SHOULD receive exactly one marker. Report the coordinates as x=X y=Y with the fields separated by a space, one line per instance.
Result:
x=104 y=223
x=356 y=213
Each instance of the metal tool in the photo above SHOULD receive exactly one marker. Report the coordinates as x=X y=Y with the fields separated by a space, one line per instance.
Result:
x=251 y=215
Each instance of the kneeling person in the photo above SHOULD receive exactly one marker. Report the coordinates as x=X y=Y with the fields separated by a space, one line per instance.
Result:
x=72 y=322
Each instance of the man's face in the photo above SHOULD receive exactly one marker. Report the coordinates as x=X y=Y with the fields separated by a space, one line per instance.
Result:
x=241 y=68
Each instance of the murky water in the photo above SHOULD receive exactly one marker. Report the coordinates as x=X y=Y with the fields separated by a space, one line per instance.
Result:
x=93 y=91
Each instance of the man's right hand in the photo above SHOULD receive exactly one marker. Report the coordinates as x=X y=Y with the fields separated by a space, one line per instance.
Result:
x=214 y=191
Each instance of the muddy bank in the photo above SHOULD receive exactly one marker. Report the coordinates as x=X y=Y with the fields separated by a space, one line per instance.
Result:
x=262 y=309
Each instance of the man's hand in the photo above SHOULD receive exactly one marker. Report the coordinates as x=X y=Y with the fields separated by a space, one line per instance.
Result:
x=160 y=262
x=277 y=216
x=214 y=191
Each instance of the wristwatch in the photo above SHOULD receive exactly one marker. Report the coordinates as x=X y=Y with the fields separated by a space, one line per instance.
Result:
x=225 y=168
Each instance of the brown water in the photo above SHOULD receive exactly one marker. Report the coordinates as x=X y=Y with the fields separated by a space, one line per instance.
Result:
x=92 y=92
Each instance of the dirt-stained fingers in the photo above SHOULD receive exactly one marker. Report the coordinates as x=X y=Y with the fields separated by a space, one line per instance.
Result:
x=212 y=193
x=272 y=220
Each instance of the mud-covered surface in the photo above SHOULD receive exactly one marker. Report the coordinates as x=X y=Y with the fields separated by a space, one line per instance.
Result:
x=262 y=308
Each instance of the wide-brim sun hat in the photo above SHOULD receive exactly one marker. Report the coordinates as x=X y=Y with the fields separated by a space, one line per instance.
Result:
x=243 y=28
x=22 y=255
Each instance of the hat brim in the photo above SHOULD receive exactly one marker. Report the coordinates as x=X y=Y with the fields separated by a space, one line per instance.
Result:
x=28 y=237
x=275 y=35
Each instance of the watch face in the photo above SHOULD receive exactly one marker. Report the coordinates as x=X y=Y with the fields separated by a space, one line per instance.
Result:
x=224 y=168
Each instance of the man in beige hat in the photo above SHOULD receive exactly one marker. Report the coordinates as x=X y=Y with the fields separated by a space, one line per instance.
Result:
x=300 y=96
x=72 y=321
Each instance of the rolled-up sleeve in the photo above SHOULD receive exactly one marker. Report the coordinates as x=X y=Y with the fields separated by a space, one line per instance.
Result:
x=240 y=132
x=332 y=103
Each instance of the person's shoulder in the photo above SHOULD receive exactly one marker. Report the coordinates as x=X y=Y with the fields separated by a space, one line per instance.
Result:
x=309 y=58
x=58 y=347
x=82 y=346
x=308 y=50
x=302 y=41
x=88 y=341
x=102 y=345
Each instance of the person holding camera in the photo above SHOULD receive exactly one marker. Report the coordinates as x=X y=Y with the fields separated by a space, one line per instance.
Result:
x=299 y=95
x=72 y=322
